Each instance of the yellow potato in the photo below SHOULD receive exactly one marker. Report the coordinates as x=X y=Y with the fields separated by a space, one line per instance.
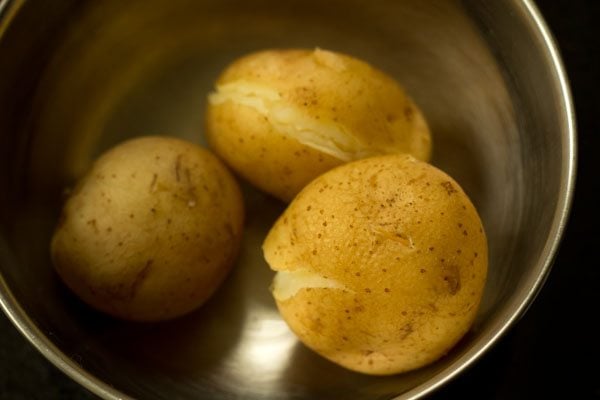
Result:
x=381 y=264
x=281 y=118
x=151 y=231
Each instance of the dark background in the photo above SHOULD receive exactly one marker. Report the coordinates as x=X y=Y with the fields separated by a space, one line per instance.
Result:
x=554 y=350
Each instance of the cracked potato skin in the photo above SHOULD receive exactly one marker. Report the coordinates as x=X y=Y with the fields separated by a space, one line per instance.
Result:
x=409 y=249
x=151 y=230
x=369 y=109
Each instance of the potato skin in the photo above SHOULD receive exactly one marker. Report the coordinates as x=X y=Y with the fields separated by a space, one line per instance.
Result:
x=151 y=231
x=408 y=251
x=270 y=107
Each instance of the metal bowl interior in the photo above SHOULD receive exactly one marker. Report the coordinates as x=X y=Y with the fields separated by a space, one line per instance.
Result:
x=79 y=76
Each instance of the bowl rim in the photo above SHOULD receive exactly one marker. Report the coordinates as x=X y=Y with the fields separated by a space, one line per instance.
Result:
x=511 y=313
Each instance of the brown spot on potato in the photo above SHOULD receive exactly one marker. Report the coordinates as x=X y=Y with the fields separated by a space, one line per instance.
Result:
x=373 y=181
x=153 y=183
x=405 y=330
x=142 y=275
x=449 y=187
x=408 y=113
x=403 y=239
x=451 y=276
x=93 y=224
x=178 y=167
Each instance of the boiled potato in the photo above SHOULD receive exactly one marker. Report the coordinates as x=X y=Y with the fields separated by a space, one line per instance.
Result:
x=281 y=118
x=151 y=231
x=381 y=264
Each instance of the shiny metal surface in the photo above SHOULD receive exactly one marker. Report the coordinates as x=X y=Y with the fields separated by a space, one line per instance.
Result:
x=78 y=76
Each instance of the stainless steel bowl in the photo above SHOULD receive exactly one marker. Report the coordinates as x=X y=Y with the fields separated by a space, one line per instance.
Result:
x=78 y=76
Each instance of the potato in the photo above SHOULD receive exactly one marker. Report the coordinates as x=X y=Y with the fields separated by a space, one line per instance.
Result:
x=381 y=264
x=281 y=118
x=151 y=231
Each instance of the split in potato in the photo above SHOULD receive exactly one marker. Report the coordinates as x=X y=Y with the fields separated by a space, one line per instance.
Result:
x=151 y=231
x=381 y=264
x=281 y=118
